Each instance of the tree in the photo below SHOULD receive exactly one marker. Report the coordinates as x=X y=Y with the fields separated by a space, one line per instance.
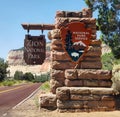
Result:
x=28 y=76
x=108 y=22
x=18 y=75
x=3 y=69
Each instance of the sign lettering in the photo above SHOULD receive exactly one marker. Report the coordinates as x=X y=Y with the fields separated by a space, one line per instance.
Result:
x=75 y=39
x=34 y=49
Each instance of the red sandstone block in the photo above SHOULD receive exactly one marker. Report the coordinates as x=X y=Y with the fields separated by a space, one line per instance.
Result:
x=62 y=65
x=84 y=97
x=54 y=34
x=84 y=13
x=48 y=101
x=107 y=98
x=69 y=104
x=96 y=104
x=74 y=83
x=91 y=65
x=71 y=74
x=54 y=84
x=59 y=22
x=87 y=83
x=63 y=93
x=88 y=74
x=58 y=74
x=60 y=56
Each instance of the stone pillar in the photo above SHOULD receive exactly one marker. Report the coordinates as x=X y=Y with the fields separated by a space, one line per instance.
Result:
x=60 y=59
x=81 y=86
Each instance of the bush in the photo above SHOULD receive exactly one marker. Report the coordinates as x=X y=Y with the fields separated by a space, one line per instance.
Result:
x=43 y=77
x=28 y=76
x=12 y=82
x=9 y=82
x=18 y=75
x=3 y=69
x=107 y=61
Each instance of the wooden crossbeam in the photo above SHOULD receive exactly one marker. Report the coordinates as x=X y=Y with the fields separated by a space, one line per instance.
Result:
x=38 y=26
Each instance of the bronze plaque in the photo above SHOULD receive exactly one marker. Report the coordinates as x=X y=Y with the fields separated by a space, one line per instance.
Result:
x=75 y=39
x=34 y=49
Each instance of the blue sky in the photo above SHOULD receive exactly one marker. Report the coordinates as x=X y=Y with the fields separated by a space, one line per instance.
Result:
x=15 y=12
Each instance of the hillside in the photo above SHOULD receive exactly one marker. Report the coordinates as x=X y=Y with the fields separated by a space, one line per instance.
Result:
x=16 y=62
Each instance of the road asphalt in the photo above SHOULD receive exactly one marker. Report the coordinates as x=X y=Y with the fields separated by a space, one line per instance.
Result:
x=12 y=96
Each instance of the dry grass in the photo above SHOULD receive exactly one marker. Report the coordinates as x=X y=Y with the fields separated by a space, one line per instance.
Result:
x=31 y=113
x=30 y=109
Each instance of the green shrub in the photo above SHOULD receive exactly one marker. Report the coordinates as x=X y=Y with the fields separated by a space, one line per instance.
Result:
x=18 y=75
x=28 y=76
x=107 y=61
x=9 y=82
x=42 y=78
x=12 y=82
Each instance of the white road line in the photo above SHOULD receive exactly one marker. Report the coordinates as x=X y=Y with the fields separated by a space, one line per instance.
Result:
x=26 y=98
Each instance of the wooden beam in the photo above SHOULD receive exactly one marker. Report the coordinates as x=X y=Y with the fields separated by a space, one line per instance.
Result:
x=38 y=26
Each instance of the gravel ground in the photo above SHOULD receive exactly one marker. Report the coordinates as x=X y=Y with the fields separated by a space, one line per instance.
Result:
x=30 y=108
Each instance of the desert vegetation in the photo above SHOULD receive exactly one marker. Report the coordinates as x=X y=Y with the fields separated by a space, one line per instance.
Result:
x=111 y=63
x=19 y=77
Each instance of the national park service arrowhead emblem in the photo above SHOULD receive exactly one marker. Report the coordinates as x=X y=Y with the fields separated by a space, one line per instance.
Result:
x=75 y=39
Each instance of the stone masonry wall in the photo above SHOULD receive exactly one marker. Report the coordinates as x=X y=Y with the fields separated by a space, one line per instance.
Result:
x=81 y=86
x=75 y=99
x=60 y=59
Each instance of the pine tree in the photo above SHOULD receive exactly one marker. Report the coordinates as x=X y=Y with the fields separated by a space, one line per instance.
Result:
x=108 y=22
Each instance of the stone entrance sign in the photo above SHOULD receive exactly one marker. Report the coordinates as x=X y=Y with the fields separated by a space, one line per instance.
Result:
x=80 y=85
x=78 y=82
x=75 y=39
x=34 y=49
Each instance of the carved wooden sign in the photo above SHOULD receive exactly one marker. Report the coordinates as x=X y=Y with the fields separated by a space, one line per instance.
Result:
x=34 y=49
x=75 y=39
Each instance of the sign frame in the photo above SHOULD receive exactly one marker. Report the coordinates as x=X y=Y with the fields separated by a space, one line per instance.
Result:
x=34 y=49
x=76 y=38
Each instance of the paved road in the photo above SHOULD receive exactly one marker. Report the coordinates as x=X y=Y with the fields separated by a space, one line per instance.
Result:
x=11 y=96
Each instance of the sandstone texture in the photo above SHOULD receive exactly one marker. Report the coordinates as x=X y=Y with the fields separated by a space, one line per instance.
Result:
x=85 y=99
x=16 y=62
x=80 y=86
x=48 y=101
x=15 y=57
x=88 y=74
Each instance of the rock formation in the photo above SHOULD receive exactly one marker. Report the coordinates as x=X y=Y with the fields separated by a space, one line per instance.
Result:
x=16 y=62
